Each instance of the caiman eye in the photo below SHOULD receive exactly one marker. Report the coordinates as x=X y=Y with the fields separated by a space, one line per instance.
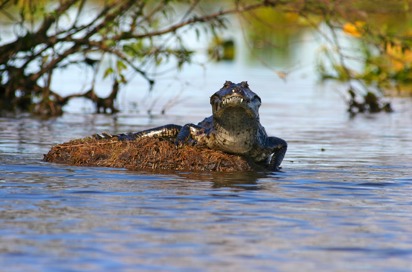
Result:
x=244 y=84
x=256 y=97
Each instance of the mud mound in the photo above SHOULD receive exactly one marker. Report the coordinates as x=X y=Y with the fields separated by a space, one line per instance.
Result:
x=145 y=154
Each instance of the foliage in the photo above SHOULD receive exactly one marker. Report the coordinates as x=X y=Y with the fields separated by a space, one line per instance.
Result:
x=365 y=44
x=374 y=58
x=107 y=37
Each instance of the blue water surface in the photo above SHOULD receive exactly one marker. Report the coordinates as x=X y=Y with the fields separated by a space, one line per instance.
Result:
x=342 y=201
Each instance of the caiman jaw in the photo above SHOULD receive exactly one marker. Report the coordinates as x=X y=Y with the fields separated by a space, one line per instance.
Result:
x=232 y=101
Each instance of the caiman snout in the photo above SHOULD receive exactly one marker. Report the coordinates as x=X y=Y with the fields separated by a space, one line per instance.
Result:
x=239 y=91
x=235 y=95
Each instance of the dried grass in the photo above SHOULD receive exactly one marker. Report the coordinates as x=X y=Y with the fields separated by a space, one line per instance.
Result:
x=145 y=154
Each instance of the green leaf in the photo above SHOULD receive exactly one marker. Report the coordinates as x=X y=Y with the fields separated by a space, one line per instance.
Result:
x=108 y=72
x=120 y=66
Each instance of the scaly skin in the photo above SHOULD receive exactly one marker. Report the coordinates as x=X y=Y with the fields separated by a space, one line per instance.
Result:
x=234 y=127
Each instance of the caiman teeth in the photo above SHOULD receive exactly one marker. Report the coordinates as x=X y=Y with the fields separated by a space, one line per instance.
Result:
x=233 y=99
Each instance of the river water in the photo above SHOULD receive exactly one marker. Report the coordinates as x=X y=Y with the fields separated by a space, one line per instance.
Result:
x=342 y=201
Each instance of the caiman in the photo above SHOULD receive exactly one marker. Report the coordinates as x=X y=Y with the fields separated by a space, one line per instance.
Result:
x=234 y=127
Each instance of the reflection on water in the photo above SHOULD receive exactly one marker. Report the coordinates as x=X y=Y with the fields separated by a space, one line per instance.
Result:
x=341 y=202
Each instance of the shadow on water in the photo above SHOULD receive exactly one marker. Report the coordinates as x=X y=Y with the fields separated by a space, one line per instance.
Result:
x=239 y=180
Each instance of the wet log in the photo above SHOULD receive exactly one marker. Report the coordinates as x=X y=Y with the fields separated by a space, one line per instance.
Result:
x=146 y=154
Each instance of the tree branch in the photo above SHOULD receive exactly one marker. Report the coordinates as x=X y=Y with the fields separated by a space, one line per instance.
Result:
x=195 y=19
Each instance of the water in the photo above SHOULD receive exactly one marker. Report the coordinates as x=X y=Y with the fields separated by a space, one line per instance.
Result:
x=341 y=203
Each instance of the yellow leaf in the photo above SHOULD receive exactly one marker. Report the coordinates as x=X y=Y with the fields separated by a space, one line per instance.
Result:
x=354 y=29
x=398 y=57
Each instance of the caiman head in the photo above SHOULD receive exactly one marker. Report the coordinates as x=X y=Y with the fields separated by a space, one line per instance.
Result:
x=235 y=101
x=235 y=118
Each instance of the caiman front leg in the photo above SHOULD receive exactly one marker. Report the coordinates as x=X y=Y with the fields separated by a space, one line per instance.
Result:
x=190 y=134
x=166 y=131
x=278 y=147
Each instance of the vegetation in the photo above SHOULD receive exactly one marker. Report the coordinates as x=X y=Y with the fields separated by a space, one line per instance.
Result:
x=109 y=38
x=366 y=45
x=113 y=36
x=377 y=58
